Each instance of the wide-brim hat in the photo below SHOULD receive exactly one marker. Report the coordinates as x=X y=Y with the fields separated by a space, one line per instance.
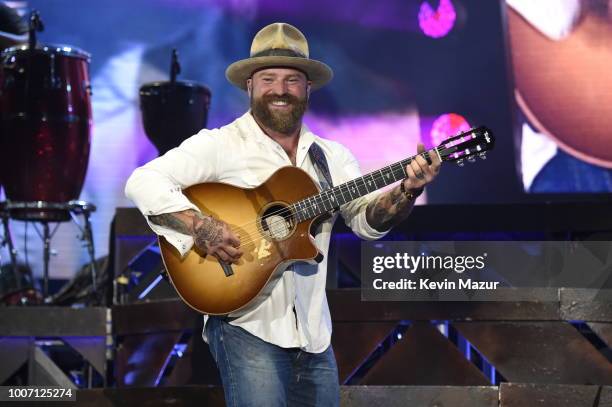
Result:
x=279 y=45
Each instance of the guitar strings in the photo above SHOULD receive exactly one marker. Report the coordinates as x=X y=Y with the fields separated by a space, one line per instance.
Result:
x=282 y=212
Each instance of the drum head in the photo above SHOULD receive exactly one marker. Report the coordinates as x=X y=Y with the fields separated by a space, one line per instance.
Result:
x=56 y=49
x=154 y=89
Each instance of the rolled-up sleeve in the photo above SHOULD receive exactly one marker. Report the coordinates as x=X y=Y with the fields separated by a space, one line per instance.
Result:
x=156 y=187
x=354 y=212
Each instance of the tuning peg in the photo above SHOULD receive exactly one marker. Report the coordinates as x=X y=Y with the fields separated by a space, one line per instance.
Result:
x=471 y=159
x=460 y=162
x=483 y=155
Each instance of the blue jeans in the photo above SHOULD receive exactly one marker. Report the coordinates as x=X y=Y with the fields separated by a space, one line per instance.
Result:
x=257 y=373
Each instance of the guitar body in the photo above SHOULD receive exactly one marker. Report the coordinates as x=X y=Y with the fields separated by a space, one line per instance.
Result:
x=203 y=283
x=565 y=87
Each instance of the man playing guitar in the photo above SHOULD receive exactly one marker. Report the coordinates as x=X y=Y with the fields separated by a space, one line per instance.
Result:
x=279 y=352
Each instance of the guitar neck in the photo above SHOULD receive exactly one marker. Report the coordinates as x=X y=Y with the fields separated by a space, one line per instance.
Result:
x=331 y=199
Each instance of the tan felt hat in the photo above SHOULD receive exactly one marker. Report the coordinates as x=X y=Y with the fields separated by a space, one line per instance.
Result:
x=279 y=45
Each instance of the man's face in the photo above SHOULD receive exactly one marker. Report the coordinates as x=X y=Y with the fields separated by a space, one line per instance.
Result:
x=279 y=98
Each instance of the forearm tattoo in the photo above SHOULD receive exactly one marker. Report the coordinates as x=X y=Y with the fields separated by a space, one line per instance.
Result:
x=204 y=229
x=389 y=209
x=171 y=221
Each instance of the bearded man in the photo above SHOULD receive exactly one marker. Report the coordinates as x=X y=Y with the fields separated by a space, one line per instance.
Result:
x=278 y=353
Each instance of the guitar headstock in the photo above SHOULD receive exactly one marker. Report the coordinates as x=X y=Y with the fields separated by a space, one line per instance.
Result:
x=467 y=145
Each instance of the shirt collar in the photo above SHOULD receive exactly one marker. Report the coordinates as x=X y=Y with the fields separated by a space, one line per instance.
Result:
x=304 y=142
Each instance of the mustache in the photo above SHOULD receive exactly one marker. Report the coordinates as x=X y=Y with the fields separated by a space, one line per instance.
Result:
x=287 y=98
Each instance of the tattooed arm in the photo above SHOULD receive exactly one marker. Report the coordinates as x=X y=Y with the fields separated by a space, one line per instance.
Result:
x=389 y=209
x=210 y=235
x=392 y=207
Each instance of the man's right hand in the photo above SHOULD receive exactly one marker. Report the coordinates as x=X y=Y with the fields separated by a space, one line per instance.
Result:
x=213 y=236
x=210 y=235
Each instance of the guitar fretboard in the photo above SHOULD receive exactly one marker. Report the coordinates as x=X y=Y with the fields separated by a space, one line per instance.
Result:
x=331 y=199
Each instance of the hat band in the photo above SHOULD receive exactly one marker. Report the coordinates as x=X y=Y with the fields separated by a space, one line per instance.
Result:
x=278 y=52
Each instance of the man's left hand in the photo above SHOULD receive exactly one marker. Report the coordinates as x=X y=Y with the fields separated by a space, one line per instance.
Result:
x=420 y=172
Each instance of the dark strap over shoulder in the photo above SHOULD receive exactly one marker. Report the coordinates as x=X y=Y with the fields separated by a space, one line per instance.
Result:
x=317 y=156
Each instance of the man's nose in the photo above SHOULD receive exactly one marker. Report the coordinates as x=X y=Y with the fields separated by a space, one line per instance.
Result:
x=279 y=88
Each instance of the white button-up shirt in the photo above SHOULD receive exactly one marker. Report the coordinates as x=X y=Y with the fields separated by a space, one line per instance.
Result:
x=241 y=154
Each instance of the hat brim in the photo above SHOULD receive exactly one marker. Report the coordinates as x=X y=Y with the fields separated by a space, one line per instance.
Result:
x=318 y=72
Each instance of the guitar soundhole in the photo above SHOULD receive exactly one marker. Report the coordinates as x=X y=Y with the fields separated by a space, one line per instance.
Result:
x=276 y=222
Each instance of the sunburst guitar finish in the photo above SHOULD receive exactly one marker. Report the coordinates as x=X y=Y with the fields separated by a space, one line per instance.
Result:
x=210 y=287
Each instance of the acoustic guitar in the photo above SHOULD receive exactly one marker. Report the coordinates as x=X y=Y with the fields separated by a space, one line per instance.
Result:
x=273 y=221
x=565 y=87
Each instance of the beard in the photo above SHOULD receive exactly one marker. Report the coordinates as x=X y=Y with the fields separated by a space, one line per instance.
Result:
x=281 y=122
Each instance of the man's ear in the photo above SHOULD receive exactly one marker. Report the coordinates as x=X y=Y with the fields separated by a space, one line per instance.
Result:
x=249 y=84
x=308 y=90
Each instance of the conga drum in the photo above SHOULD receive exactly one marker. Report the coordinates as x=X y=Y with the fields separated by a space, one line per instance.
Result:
x=45 y=130
x=173 y=111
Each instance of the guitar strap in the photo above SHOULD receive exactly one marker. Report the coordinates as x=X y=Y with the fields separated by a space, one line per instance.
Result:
x=317 y=157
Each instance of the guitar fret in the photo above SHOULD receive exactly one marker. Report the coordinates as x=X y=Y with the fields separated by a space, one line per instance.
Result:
x=387 y=175
x=305 y=208
x=393 y=172
x=363 y=190
x=319 y=206
x=348 y=188
x=302 y=214
x=404 y=164
x=321 y=203
x=374 y=179
x=321 y=199
x=369 y=184
x=343 y=197
x=334 y=198
x=398 y=172
x=331 y=206
x=311 y=207
x=296 y=213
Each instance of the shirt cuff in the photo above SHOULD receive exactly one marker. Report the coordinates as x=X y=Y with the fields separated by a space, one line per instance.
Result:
x=367 y=231
x=181 y=242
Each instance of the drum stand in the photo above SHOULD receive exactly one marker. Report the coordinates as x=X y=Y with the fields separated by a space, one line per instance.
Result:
x=74 y=208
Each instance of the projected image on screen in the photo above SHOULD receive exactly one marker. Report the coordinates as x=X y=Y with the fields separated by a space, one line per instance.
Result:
x=561 y=56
